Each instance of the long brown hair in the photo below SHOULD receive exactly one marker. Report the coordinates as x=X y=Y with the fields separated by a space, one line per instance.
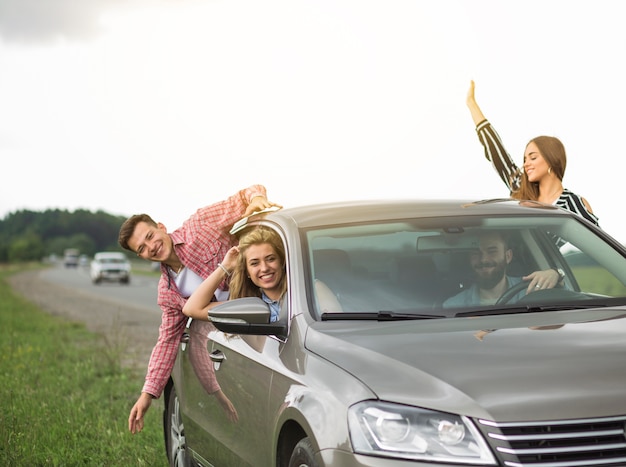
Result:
x=553 y=151
x=240 y=284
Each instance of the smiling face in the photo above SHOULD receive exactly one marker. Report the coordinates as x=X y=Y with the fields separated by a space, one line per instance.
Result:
x=151 y=242
x=535 y=164
x=490 y=260
x=265 y=269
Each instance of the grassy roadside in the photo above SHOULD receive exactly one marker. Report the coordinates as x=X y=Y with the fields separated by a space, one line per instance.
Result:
x=63 y=399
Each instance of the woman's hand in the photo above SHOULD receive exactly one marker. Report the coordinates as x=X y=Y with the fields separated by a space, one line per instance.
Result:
x=230 y=260
x=470 y=99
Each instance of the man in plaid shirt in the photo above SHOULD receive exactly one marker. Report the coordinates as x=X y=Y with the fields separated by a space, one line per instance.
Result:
x=187 y=256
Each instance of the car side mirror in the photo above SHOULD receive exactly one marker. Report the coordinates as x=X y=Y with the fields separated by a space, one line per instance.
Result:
x=249 y=315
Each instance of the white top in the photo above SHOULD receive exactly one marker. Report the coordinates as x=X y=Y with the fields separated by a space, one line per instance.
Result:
x=188 y=281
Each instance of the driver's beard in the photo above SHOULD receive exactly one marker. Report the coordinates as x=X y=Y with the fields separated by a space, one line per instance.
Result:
x=488 y=281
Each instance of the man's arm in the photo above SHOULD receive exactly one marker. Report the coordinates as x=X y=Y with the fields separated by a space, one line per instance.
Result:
x=547 y=279
x=223 y=214
x=135 y=420
x=163 y=356
x=256 y=197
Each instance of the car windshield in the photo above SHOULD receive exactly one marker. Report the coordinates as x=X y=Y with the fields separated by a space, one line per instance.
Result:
x=445 y=267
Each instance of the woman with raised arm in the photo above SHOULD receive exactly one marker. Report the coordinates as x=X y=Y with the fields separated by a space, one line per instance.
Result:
x=541 y=176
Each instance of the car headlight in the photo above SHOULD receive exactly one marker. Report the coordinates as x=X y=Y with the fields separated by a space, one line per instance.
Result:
x=404 y=432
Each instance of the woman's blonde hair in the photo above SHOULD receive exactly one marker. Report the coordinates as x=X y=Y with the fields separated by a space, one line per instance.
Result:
x=240 y=284
x=553 y=152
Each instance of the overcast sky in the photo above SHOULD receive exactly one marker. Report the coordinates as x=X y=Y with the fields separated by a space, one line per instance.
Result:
x=164 y=106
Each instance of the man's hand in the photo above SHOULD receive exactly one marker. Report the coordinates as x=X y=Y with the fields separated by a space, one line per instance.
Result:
x=227 y=405
x=258 y=203
x=547 y=279
x=135 y=420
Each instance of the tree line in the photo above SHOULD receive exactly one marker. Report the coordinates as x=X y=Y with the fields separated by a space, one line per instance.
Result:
x=32 y=236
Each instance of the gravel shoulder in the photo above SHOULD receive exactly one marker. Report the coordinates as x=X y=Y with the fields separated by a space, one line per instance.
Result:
x=127 y=330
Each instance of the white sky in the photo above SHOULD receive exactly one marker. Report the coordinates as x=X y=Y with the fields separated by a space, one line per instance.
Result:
x=164 y=106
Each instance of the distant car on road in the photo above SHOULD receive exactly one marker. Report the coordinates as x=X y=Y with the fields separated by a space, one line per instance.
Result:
x=70 y=257
x=110 y=266
x=83 y=261
x=383 y=373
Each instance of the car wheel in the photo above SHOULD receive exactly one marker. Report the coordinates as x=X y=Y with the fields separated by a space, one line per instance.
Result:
x=303 y=455
x=175 y=433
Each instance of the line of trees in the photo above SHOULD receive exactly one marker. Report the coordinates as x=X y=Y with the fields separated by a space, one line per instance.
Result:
x=31 y=236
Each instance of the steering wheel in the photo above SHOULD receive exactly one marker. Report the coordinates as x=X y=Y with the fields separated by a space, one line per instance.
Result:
x=511 y=292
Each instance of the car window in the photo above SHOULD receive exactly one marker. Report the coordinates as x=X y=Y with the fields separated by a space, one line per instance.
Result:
x=418 y=266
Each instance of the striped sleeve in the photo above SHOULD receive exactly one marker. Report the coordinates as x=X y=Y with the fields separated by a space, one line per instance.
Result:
x=495 y=153
x=574 y=203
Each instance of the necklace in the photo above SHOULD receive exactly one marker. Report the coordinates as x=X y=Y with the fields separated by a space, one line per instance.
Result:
x=179 y=269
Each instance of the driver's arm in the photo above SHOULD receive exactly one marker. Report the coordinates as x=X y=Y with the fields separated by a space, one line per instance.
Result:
x=546 y=279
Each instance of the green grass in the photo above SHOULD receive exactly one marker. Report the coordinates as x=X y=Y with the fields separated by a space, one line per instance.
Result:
x=598 y=280
x=63 y=401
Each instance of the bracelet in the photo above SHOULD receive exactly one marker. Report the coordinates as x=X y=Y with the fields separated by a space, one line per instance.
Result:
x=224 y=269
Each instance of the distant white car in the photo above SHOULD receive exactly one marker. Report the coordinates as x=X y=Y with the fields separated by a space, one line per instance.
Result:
x=110 y=266
x=70 y=257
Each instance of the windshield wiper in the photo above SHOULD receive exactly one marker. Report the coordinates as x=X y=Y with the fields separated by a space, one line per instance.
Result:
x=380 y=316
x=526 y=309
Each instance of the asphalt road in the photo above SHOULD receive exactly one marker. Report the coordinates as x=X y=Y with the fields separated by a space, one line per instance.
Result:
x=140 y=292
x=127 y=316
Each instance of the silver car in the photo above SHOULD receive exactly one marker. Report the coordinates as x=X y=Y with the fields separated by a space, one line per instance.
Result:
x=110 y=266
x=399 y=375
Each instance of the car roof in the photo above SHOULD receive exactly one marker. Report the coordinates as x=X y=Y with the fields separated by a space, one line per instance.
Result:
x=371 y=210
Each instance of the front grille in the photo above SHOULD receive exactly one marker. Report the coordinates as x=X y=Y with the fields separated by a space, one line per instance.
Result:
x=567 y=443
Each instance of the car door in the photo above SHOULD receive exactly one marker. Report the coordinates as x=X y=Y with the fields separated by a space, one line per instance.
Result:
x=202 y=401
x=244 y=366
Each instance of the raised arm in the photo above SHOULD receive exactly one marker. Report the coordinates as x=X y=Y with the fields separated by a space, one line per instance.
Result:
x=198 y=304
x=258 y=203
x=495 y=151
x=472 y=105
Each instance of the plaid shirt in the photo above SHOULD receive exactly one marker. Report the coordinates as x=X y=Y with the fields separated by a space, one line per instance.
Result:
x=200 y=244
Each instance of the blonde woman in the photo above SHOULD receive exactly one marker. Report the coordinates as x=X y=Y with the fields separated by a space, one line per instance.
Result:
x=256 y=268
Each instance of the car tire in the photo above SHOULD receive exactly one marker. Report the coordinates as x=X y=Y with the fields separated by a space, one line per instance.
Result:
x=303 y=454
x=175 y=442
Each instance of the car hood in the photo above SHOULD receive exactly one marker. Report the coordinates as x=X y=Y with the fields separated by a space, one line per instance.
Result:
x=538 y=366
